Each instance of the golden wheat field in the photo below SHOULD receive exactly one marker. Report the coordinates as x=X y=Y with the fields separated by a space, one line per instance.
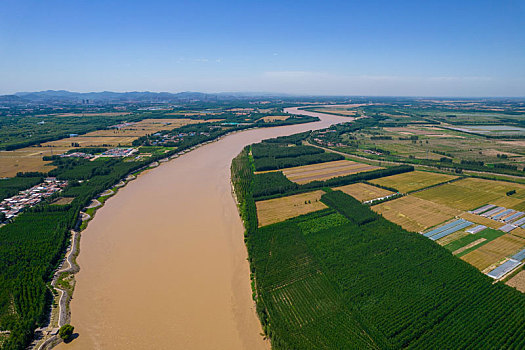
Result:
x=494 y=251
x=415 y=214
x=363 y=192
x=413 y=180
x=27 y=159
x=471 y=193
x=518 y=281
x=279 y=209
x=324 y=171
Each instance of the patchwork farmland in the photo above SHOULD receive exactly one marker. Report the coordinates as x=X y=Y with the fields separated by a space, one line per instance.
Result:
x=146 y=126
x=469 y=193
x=297 y=257
x=29 y=159
x=494 y=232
x=479 y=232
x=472 y=218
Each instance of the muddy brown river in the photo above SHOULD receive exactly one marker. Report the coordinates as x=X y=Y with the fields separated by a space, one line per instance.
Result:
x=163 y=263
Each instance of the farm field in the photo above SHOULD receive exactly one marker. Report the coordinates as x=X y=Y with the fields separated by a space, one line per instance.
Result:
x=429 y=131
x=103 y=114
x=415 y=214
x=468 y=246
x=520 y=232
x=147 y=126
x=471 y=193
x=452 y=237
x=323 y=171
x=27 y=159
x=494 y=251
x=63 y=200
x=92 y=141
x=279 y=209
x=30 y=158
x=363 y=192
x=272 y=118
x=518 y=281
x=464 y=244
x=404 y=290
x=416 y=142
x=413 y=181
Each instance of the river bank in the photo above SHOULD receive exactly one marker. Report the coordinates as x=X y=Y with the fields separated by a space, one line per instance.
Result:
x=163 y=263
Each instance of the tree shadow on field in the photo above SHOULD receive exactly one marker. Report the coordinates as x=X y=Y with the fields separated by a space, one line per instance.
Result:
x=73 y=337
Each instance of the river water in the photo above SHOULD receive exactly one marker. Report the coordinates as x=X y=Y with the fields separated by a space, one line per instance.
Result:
x=163 y=263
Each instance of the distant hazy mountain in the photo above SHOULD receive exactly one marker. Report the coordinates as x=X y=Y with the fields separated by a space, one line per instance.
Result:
x=62 y=96
x=10 y=99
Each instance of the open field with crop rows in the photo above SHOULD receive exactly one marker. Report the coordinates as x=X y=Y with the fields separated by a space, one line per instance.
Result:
x=363 y=192
x=464 y=244
x=27 y=159
x=279 y=209
x=413 y=181
x=518 y=281
x=494 y=251
x=146 y=126
x=470 y=193
x=324 y=171
x=415 y=214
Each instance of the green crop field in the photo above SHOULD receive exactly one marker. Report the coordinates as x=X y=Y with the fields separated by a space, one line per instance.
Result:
x=413 y=181
x=471 y=193
x=488 y=234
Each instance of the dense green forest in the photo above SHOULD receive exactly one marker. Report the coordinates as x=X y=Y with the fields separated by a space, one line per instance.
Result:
x=283 y=155
x=271 y=163
x=347 y=278
x=282 y=150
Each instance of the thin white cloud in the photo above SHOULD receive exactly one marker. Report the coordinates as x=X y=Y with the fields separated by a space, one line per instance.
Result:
x=315 y=82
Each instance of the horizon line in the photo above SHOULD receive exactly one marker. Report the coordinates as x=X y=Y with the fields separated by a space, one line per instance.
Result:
x=274 y=94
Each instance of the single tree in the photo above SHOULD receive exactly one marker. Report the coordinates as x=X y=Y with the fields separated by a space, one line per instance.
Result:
x=66 y=332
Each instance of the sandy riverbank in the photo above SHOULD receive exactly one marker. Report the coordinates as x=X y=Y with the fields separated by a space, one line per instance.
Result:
x=163 y=263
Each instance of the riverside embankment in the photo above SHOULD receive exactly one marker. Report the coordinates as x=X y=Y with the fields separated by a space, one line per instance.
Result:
x=163 y=263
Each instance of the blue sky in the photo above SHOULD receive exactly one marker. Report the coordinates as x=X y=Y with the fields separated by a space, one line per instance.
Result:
x=415 y=48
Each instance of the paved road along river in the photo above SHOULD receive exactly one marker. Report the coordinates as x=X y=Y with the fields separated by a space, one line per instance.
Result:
x=163 y=263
